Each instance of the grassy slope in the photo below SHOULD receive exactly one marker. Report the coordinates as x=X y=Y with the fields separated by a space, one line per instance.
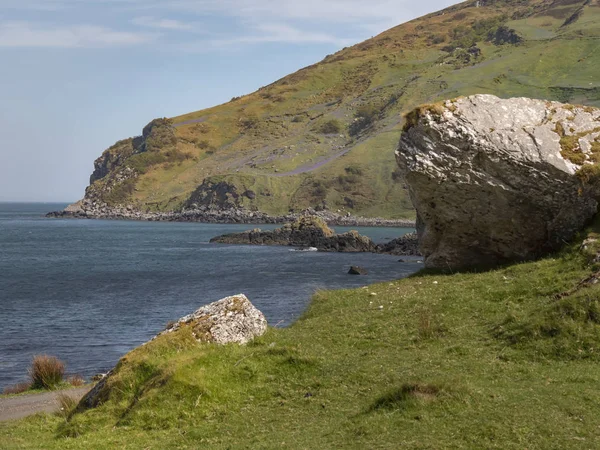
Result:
x=472 y=360
x=276 y=129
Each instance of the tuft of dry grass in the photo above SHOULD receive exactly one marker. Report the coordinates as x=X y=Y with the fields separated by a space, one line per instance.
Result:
x=18 y=388
x=67 y=405
x=75 y=380
x=46 y=372
x=406 y=396
x=411 y=119
x=429 y=326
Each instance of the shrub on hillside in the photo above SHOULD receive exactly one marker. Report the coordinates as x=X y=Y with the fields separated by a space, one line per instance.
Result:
x=249 y=122
x=202 y=144
x=364 y=117
x=332 y=126
x=75 y=380
x=46 y=372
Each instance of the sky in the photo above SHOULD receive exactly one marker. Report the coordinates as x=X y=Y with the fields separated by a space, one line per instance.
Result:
x=78 y=75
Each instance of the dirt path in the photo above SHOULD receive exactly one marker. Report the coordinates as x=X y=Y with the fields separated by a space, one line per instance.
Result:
x=313 y=167
x=13 y=408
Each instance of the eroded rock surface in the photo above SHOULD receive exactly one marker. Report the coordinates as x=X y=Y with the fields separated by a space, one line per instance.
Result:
x=498 y=180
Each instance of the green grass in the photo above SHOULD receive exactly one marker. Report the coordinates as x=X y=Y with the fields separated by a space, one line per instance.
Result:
x=500 y=359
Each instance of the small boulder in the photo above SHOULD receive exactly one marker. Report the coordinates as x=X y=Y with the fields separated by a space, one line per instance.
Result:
x=232 y=319
x=356 y=270
x=250 y=194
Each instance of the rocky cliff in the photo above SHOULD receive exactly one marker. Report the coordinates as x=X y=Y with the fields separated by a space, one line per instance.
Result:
x=499 y=180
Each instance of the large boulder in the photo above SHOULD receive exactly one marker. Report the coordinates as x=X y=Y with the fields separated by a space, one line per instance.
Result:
x=498 y=180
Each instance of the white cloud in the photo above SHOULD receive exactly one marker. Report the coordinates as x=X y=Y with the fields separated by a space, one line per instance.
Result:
x=278 y=32
x=315 y=11
x=307 y=21
x=231 y=22
x=26 y=34
x=164 y=24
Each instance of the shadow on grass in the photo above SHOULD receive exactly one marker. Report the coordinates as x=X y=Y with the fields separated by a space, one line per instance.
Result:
x=406 y=396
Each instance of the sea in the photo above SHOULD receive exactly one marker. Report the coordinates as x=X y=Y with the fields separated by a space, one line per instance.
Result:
x=89 y=291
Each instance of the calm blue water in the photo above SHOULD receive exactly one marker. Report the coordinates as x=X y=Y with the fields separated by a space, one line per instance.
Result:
x=89 y=291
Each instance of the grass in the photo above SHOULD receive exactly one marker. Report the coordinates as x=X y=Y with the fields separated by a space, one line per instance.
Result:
x=46 y=372
x=362 y=91
x=500 y=359
x=18 y=388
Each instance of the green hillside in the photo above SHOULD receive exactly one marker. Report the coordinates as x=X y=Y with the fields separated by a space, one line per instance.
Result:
x=325 y=136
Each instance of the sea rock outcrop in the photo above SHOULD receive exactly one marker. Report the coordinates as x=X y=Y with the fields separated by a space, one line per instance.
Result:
x=497 y=180
x=307 y=231
x=230 y=320
x=407 y=245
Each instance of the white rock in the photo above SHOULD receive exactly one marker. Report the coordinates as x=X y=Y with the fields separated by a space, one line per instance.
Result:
x=232 y=319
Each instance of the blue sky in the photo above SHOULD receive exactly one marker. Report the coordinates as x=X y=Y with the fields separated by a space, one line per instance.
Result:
x=78 y=75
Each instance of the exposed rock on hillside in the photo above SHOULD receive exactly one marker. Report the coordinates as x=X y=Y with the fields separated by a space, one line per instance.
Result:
x=117 y=169
x=230 y=320
x=211 y=194
x=306 y=231
x=499 y=180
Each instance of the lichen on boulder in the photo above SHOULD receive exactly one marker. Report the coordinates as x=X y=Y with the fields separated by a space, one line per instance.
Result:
x=498 y=180
x=230 y=320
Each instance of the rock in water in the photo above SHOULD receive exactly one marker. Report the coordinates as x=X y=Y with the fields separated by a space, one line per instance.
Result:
x=356 y=270
x=498 y=180
x=307 y=231
x=232 y=319
x=407 y=245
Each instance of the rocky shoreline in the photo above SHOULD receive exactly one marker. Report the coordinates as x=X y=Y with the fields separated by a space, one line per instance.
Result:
x=88 y=210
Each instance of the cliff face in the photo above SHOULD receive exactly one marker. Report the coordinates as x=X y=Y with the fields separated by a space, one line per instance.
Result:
x=322 y=137
x=499 y=180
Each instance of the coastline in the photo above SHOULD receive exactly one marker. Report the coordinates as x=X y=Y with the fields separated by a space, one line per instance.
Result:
x=228 y=216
